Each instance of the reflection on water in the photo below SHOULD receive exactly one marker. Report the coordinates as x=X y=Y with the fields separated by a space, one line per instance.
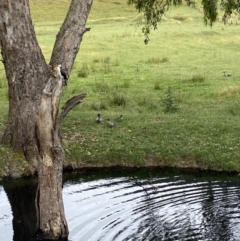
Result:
x=156 y=208
x=149 y=205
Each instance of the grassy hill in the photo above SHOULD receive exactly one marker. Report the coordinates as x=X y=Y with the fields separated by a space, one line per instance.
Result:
x=182 y=66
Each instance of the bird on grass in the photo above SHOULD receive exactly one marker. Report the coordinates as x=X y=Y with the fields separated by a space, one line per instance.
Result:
x=99 y=118
x=110 y=123
x=226 y=74
x=120 y=118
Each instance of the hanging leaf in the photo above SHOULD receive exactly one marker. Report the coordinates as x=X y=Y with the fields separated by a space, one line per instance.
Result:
x=210 y=11
x=153 y=10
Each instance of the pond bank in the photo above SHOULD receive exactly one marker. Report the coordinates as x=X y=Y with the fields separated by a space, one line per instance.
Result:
x=14 y=166
x=23 y=171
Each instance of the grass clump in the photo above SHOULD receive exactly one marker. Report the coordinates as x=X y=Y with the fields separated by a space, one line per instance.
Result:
x=197 y=79
x=84 y=71
x=231 y=91
x=106 y=64
x=3 y=83
x=157 y=60
x=233 y=109
x=126 y=83
x=106 y=60
x=118 y=99
x=143 y=101
x=96 y=60
x=101 y=87
x=157 y=86
x=102 y=105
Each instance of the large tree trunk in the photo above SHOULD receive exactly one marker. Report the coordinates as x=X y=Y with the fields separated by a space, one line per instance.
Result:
x=34 y=94
x=26 y=72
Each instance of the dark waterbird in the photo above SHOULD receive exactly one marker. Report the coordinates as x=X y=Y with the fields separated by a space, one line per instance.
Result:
x=99 y=118
x=120 y=118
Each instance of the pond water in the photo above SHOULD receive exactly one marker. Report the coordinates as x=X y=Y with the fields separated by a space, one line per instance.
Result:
x=145 y=204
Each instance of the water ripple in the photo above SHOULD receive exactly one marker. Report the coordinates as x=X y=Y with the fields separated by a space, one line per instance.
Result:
x=128 y=209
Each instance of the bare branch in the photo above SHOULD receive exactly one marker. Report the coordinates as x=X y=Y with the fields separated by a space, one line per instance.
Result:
x=69 y=105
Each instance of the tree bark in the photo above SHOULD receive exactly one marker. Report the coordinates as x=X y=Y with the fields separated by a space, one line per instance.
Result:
x=35 y=90
x=50 y=214
x=70 y=36
x=26 y=73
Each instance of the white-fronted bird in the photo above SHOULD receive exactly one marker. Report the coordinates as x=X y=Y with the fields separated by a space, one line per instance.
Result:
x=99 y=118
x=110 y=123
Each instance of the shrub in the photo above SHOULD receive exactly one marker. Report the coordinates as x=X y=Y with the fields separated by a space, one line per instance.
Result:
x=169 y=102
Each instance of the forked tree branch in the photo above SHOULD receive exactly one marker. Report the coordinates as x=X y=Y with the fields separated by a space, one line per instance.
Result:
x=69 y=38
x=69 y=105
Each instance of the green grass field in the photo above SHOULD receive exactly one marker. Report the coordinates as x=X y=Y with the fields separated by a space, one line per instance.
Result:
x=122 y=75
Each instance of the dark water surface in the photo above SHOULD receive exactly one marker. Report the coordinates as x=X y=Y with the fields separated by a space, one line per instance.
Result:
x=145 y=204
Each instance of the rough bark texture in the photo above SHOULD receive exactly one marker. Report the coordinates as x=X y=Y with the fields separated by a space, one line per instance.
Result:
x=34 y=95
x=24 y=64
x=70 y=35
x=51 y=216
x=49 y=204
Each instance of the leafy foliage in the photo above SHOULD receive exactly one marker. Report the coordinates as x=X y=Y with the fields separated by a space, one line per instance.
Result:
x=210 y=11
x=153 y=11
x=230 y=6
